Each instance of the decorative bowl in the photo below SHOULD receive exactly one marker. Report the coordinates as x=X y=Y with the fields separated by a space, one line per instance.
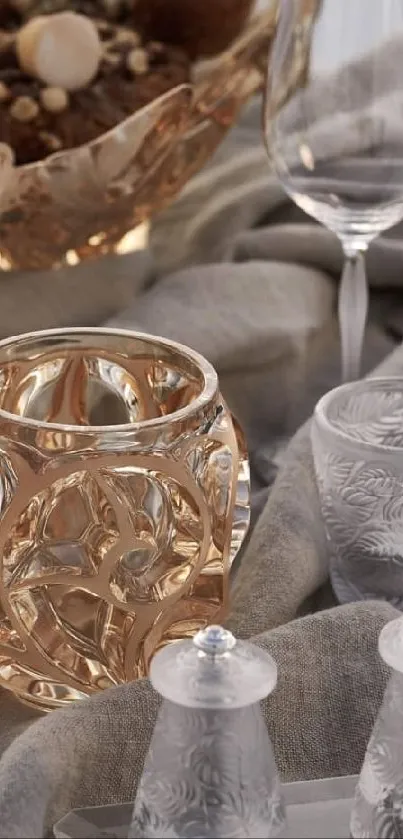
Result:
x=86 y=202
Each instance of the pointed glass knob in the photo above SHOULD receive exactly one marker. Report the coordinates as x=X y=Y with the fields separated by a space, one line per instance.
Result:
x=214 y=640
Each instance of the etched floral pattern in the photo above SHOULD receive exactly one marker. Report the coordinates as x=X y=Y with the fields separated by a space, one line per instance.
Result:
x=209 y=774
x=378 y=807
x=358 y=446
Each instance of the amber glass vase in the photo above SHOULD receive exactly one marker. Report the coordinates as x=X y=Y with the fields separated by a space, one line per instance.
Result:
x=124 y=498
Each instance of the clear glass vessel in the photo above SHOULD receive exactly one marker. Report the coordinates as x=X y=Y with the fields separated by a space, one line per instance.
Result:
x=334 y=131
x=210 y=772
x=357 y=443
x=124 y=498
x=378 y=806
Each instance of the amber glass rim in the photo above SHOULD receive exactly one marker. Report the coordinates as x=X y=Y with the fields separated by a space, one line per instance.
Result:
x=208 y=374
x=68 y=156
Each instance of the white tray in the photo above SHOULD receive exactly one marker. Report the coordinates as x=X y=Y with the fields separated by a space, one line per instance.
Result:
x=315 y=810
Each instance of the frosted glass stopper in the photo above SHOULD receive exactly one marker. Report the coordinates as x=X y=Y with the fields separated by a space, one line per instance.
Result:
x=214 y=670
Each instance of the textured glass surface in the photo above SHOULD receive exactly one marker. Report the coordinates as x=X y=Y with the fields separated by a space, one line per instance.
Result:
x=86 y=202
x=210 y=771
x=357 y=442
x=209 y=774
x=378 y=807
x=124 y=497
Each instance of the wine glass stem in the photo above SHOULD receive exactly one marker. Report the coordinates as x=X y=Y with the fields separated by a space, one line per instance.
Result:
x=353 y=310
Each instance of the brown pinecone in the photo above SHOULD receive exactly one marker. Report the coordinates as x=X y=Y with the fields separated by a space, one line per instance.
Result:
x=202 y=27
x=115 y=10
x=10 y=18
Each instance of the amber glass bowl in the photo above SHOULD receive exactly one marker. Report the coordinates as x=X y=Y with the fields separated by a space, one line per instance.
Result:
x=124 y=500
x=86 y=202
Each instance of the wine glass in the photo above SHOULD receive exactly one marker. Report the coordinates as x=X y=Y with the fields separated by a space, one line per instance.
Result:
x=334 y=131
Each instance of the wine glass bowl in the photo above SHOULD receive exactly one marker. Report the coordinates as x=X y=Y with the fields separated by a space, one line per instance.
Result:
x=333 y=131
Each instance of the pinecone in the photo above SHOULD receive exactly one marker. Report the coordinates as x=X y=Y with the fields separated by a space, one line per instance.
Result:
x=201 y=28
x=10 y=17
x=115 y=10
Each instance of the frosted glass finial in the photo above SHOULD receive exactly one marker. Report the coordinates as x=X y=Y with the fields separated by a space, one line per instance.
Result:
x=215 y=640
